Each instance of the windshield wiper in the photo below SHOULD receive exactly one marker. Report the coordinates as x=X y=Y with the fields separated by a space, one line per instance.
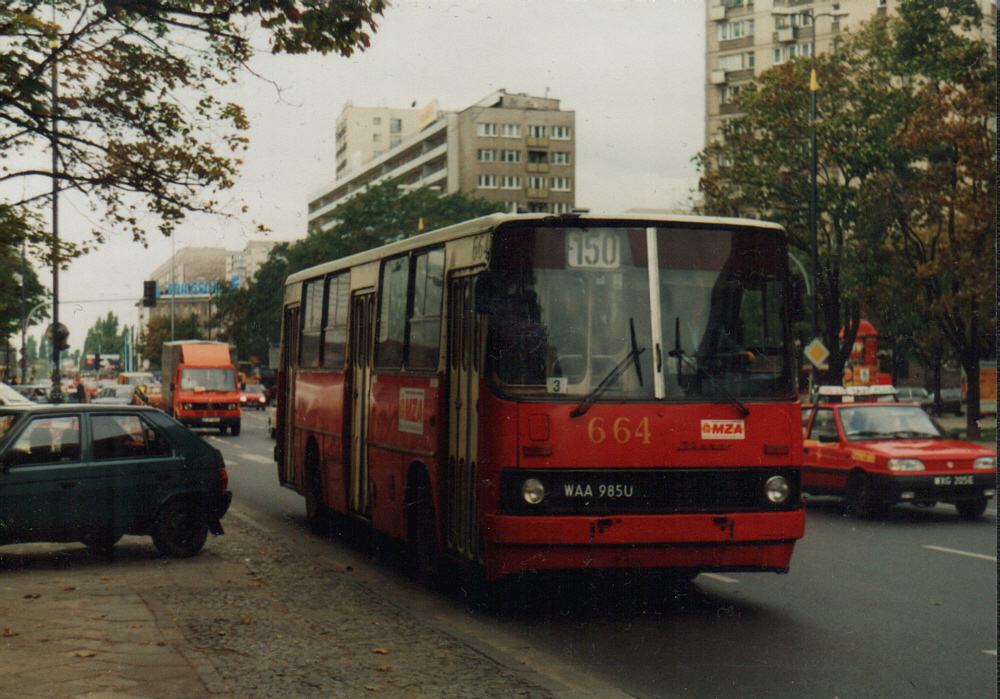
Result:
x=631 y=358
x=681 y=356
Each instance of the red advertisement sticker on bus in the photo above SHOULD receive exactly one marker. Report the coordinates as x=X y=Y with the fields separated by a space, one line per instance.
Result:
x=411 y=410
x=722 y=429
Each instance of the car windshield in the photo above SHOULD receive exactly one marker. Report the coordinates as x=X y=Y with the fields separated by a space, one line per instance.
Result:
x=254 y=388
x=208 y=380
x=881 y=422
x=574 y=309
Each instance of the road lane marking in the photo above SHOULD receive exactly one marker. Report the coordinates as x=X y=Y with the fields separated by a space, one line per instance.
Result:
x=991 y=652
x=961 y=553
x=719 y=578
x=257 y=458
x=227 y=442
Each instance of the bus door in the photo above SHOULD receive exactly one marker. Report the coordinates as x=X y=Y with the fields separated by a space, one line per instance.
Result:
x=284 y=421
x=362 y=351
x=466 y=340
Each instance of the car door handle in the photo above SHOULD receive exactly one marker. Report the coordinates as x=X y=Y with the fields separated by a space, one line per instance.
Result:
x=66 y=485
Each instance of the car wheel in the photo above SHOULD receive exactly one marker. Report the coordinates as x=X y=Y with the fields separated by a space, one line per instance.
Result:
x=971 y=509
x=422 y=530
x=862 y=500
x=179 y=531
x=101 y=542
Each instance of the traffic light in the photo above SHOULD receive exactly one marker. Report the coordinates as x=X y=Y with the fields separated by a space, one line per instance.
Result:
x=58 y=334
x=149 y=294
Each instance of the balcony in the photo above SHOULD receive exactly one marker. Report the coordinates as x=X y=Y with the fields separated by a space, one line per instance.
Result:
x=535 y=142
x=717 y=77
x=538 y=193
x=538 y=167
x=717 y=13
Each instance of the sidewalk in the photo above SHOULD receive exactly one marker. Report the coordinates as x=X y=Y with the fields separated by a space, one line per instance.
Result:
x=251 y=617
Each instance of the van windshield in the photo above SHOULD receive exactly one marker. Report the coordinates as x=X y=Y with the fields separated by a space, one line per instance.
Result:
x=208 y=380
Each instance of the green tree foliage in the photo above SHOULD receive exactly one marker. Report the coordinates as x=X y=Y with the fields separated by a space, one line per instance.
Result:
x=157 y=331
x=140 y=130
x=20 y=288
x=250 y=316
x=105 y=337
x=904 y=150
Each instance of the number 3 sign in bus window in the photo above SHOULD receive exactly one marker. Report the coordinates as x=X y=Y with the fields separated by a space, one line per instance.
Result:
x=527 y=392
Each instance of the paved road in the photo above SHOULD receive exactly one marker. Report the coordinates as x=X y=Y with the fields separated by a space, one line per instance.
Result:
x=904 y=607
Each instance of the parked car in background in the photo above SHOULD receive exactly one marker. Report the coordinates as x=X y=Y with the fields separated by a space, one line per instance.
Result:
x=253 y=395
x=114 y=395
x=876 y=455
x=920 y=396
x=93 y=473
x=10 y=396
x=951 y=402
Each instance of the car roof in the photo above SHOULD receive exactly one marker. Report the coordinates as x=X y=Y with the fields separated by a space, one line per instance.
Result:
x=42 y=408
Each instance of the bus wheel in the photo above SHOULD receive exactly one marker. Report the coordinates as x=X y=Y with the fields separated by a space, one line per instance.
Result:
x=316 y=514
x=423 y=533
x=971 y=509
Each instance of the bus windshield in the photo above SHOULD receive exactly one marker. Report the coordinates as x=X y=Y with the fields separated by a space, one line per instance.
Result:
x=574 y=310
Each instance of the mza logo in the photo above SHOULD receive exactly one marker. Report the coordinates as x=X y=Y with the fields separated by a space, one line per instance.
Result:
x=723 y=429
x=411 y=410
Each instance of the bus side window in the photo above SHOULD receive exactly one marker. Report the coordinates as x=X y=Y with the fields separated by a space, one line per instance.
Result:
x=338 y=297
x=392 y=313
x=424 y=332
x=312 y=320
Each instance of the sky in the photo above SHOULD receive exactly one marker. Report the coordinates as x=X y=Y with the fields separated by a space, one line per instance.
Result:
x=631 y=70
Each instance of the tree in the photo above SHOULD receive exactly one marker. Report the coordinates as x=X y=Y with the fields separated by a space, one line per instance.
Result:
x=20 y=289
x=874 y=93
x=157 y=331
x=138 y=127
x=251 y=316
x=104 y=337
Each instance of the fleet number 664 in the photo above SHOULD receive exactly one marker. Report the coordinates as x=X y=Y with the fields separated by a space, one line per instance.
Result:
x=621 y=430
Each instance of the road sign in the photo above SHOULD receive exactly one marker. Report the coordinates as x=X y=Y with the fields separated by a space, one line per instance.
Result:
x=817 y=353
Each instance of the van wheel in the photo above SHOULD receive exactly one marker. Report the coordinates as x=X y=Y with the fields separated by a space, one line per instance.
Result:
x=235 y=429
x=222 y=429
x=179 y=531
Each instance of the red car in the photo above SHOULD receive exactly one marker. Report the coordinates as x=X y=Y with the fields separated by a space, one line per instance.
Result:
x=253 y=396
x=876 y=455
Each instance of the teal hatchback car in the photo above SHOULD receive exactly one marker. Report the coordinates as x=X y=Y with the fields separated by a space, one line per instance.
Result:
x=93 y=473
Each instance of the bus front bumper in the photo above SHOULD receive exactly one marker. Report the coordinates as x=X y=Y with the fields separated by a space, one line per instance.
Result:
x=756 y=541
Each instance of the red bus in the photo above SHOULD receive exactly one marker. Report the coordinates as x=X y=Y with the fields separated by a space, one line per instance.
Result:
x=536 y=392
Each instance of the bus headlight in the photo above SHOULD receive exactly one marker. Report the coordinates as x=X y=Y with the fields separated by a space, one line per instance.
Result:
x=533 y=491
x=905 y=465
x=985 y=462
x=776 y=489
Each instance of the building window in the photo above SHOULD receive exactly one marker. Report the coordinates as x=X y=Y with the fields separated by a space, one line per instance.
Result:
x=735 y=30
x=558 y=158
x=560 y=184
x=510 y=182
x=487 y=182
x=377 y=121
x=535 y=131
x=538 y=157
x=487 y=155
x=561 y=208
x=376 y=137
x=395 y=125
x=395 y=140
x=511 y=131
x=727 y=93
x=561 y=133
x=535 y=182
x=733 y=61
x=486 y=130
x=510 y=156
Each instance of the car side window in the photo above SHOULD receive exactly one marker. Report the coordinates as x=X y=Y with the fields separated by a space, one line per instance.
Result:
x=824 y=428
x=126 y=437
x=47 y=440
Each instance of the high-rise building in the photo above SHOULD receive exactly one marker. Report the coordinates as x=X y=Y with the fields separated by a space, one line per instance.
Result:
x=364 y=133
x=510 y=148
x=743 y=38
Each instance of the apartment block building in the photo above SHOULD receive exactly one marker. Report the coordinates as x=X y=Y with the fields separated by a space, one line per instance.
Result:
x=511 y=148
x=364 y=133
x=743 y=38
